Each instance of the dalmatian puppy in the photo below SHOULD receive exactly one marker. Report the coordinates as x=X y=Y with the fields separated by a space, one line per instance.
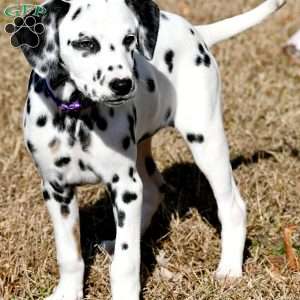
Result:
x=106 y=76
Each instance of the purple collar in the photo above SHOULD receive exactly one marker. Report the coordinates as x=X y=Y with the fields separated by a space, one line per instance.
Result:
x=72 y=106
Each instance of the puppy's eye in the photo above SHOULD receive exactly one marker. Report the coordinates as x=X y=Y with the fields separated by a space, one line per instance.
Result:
x=129 y=40
x=86 y=44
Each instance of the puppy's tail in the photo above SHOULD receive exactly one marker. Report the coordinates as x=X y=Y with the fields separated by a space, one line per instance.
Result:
x=222 y=30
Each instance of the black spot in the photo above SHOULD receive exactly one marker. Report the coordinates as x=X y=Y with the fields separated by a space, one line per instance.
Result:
x=81 y=165
x=44 y=68
x=128 y=41
x=168 y=114
x=150 y=165
x=63 y=161
x=101 y=123
x=195 y=138
x=192 y=31
x=50 y=47
x=129 y=197
x=198 y=60
x=163 y=16
x=57 y=187
x=69 y=197
x=131 y=172
x=30 y=147
x=64 y=209
x=46 y=195
x=201 y=49
x=135 y=71
x=207 y=60
x=99 y=120
x=110 y=68
x=41 y=121
x=60 y=176
x=112 y=48
x=59 y=121
x=71 y=130
x=116 y=178
x=121 y=218
x=124 y=246
x=77 y=12
x=169 y=56
x=113 y=195
x=84 y=137
x=151 y=85
x=98 y=74
x=126 y=142
x=204 y=57
x=38 y=84
x=56 y=38
x=58 y=198
x=131 y=127
x=134 y=113
x=69 y=42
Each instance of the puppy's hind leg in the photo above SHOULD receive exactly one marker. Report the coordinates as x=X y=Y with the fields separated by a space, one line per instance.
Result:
x=153 y=183
x=200 y=123
x=63 y=210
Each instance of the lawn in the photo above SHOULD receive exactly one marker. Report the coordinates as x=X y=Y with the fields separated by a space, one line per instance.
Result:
x=261 y=89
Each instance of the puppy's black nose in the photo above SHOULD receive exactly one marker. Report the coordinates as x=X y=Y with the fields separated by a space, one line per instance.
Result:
x=121 y=87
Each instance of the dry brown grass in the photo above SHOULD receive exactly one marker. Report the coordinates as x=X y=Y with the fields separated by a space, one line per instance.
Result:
x=181 y=250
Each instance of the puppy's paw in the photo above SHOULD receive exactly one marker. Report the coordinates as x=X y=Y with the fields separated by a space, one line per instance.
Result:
x=228 y=273
x=62 y=293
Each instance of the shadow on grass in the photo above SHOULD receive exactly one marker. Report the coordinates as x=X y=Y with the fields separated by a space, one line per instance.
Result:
x=192 y=191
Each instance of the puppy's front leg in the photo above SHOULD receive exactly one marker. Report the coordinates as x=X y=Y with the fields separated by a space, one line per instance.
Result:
x=63 y=209
x=126 y=190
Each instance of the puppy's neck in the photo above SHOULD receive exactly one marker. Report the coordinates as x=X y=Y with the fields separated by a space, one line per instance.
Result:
x=65 y=91
x=66 y=97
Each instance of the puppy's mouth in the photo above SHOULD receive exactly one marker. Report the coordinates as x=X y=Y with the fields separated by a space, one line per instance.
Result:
x=117 y=101
x=109 y=100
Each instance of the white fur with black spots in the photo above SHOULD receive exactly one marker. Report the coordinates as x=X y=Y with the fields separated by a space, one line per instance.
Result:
x=107 y=76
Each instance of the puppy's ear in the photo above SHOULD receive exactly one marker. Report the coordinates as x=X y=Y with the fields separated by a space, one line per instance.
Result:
x=147 y=13
x=39 y=39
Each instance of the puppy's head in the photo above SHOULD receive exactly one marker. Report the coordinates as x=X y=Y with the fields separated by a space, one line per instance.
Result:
x=91 y=43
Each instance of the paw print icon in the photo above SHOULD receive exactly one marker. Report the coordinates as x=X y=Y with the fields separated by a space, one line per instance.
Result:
x=25 y=32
